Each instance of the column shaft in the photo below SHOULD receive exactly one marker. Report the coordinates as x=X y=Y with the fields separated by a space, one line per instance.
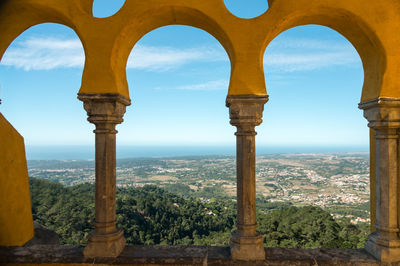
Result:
x=105 y=178
x=105 y=111
x=387 y=184
x=383 y=115
x=246 y=183
x=245 y=113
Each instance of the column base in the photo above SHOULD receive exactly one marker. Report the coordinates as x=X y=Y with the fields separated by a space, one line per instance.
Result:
x=385 y=250
x=107 y=245
x=247 y=247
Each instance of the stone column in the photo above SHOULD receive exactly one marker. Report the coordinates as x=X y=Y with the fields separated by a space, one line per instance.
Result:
x=246 y=113
x=105 y=111
x=383 y=115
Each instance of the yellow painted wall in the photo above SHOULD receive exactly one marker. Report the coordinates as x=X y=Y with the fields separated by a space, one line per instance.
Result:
x=16 y=224
x=369 y=25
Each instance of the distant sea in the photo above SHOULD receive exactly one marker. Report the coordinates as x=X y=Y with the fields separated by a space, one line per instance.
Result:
x=87 y=152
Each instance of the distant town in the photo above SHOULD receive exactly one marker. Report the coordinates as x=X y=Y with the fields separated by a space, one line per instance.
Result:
x=337 y=182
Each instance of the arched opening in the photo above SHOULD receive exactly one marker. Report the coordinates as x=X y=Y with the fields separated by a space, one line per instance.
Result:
x=40 y=75
x=44 y=55
x=316 y=141
x=104 y=8
x=178 y=79
x=251 y=10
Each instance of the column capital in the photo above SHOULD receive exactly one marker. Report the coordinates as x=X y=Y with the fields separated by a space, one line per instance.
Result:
x=383 y=114
x=246 y=111
x=104 y=108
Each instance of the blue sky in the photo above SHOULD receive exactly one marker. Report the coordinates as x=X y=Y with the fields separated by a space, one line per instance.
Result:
x=178 y=78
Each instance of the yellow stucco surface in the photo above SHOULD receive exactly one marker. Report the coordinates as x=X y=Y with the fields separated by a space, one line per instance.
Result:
x=16 y=224
x=368 y=25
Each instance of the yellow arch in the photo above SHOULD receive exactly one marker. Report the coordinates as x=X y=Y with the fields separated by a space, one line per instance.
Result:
x=355 y=30
x=370 y=27
x=18 y=16
x=161 y=17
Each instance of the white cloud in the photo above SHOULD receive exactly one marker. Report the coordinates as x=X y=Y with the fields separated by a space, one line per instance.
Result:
x=281 y=62
x=158 y=58
x=207 y=86
x=307 y=43
x=51 y=53
x=283 y=55
x=213 y=85
x=44 y=54
x=290 y=55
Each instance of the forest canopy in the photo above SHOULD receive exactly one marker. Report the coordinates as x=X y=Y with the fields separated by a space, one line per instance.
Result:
x=150 y=215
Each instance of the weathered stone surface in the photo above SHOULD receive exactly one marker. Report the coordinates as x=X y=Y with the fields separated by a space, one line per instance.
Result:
x=105 y=111
x=383 y=115
x=182 y=255
x=245 y=112
x=43 y=236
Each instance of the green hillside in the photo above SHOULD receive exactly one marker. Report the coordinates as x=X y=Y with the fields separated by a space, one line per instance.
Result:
x=151 y=216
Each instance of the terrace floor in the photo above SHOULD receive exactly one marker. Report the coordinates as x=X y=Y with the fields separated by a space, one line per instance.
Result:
x=181 y=255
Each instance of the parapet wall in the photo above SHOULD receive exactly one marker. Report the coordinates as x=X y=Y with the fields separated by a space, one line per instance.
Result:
x=178 y=255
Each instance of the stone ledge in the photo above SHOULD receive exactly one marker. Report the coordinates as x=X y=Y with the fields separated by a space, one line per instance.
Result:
x=182 y=255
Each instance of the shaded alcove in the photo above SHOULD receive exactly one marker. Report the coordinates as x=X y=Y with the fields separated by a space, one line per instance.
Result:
x=312 y=126
x=178 y=78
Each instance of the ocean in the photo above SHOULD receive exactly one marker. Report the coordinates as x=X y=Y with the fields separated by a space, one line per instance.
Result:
x=87 y=152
